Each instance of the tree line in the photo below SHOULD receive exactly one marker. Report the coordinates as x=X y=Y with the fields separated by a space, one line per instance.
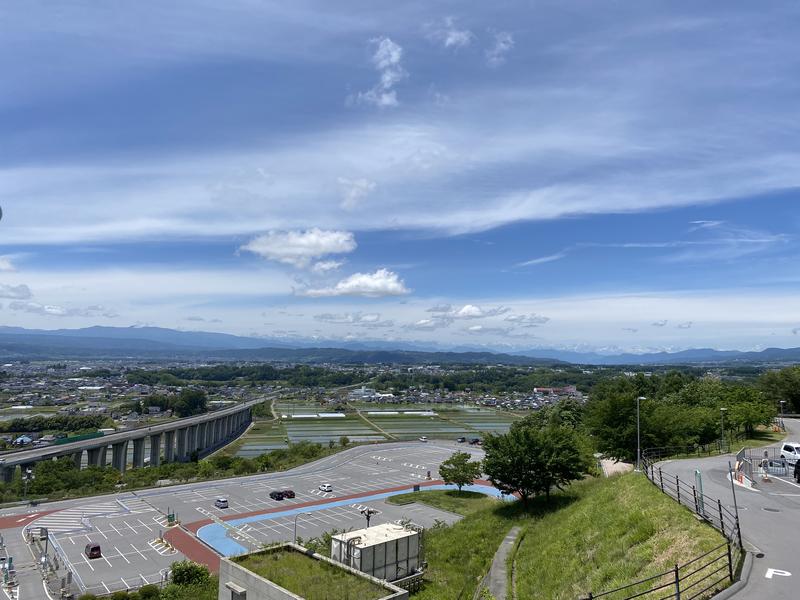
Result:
x=296 y=376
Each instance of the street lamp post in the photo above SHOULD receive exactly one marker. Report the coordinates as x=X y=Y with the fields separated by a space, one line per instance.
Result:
x=294 y=538
x=722 y=410
x=782 y=403
x=638 y=436
x=27 y=475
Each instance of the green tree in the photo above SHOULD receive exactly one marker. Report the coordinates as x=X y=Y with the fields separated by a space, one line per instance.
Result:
x=610 y=417
x=782 y=385
x=459 y=470
x=344 y=441
x=530 y=460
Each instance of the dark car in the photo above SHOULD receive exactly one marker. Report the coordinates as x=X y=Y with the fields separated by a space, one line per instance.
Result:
x=797 y=471
x=461 y=440
x=92 y=550
x=276 y=495
x=288 y=493
x=475 y=441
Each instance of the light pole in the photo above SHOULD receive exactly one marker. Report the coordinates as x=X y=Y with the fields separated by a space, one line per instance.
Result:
x=722 y=410
x=294 y=538
x=27 y=475
x=638 y=436
x=368 y=512
x=782 y=403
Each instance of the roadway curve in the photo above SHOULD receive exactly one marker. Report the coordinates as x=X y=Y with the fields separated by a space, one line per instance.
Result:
x=769 y=516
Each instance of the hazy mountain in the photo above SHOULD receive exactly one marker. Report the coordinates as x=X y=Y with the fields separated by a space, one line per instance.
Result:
x=162 y=343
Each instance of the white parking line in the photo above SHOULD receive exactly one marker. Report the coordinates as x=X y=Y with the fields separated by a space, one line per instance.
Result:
x=122 y=555
x=83 y=556
x=137 y=550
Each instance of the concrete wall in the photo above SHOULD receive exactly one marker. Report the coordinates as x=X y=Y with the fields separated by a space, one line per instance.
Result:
x=234 y=579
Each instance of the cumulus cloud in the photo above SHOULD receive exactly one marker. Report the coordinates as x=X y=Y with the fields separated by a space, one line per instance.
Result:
x=299 y=248
x=661 y=323
x=359 y=319
x=387 y=60
x=372 y=285
x=448 y=35
x=6 y=264
x=685 y=325
x=354 y=191
x=531 y=320
x=53 y=310
x=468 y=311
x=15 y=292
x=503 y=43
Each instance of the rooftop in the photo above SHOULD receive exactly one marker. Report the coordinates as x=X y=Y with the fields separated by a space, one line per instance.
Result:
x=375 y=535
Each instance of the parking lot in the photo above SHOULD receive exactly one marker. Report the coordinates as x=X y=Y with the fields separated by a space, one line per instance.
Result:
x=127 y=526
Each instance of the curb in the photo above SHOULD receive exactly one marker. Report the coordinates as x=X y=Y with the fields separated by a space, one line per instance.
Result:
x=740 y=584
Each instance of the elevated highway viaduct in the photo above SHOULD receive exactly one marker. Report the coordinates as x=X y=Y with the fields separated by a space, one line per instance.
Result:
x=176 y=440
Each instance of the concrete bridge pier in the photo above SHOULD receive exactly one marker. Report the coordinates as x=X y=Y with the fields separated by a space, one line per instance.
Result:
x=77 y=457
x=180 y=453
x=96 y=457
x=193 y=441
x=169 y=446
x=7 y=474
x=119 y=456
x=155 y=449
x=138 y=453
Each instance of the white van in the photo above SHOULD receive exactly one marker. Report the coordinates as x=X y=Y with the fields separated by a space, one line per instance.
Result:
x=221 y=503
x=791 y=452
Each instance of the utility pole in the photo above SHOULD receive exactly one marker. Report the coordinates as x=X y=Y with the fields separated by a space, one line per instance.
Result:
x=722 y=410
x=638 y=436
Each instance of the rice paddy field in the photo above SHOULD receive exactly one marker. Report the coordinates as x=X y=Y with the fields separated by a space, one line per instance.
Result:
x=308 y=421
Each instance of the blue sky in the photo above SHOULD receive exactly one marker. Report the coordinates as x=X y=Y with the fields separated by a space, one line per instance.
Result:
x=540 y=174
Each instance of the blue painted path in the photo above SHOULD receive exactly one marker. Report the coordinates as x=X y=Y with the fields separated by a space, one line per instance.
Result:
x=215 y=536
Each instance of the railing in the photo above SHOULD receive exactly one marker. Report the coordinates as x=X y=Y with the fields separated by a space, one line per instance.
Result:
x=703 y=575
x=689 y=581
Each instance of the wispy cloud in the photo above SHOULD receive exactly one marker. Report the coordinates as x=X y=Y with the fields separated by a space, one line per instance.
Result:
x=354 y=191
x=358 y=319
x=661 y=323
x=446 y=33
x=468 y=311
x=543 y=259
x=15 y=292
x=387 y=60
x=685 y=325
x=53 y=310
x=530 y=320
x=502 y=44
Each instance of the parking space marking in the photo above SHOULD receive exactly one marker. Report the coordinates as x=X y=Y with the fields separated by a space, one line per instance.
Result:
x=122 y=555
x=137 y=550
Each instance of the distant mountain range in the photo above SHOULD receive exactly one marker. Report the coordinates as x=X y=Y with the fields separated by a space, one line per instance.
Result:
x=160 y=343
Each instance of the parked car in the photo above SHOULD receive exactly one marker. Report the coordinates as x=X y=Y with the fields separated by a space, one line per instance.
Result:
x=461 y=440
x=423 y=438
x=326 y=487
x=92 y=550
x=791 y=452
x=276 y=495
x=221 y=503
x=475 y=441
x=288 y=493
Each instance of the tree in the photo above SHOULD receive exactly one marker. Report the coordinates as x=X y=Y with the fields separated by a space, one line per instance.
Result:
x=344 y=441
x=610 y=417
x=529 y=461
x=782 y=385
x=187 y=572
x=460 y=470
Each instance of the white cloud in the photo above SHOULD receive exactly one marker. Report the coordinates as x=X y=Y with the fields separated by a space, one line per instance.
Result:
x=436 y=322
x=630 y=329
x=324 y=266
x=53 y=310
x=388 y=62
x=299 y=248
x=15 y=292
x=371 y=285
x=6 y=264
x=358 y=319
x=484 y=330
x=448 y=35
x=354 y=191
x=542 y=259
x=503 y=43
x=530 y=320
x=660 y=323
x=468 y=311
x=685 y=325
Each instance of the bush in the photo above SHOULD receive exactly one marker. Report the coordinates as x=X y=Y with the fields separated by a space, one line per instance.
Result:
x=149 y=592
x=187 y=572
x=120 y=595
x=87 y=597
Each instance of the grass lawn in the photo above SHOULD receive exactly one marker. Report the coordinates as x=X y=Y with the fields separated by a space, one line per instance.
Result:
x=761 y=437
x=597 y=535
x=309 y=578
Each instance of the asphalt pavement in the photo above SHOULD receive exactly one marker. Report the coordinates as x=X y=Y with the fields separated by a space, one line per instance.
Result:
x=769 y=516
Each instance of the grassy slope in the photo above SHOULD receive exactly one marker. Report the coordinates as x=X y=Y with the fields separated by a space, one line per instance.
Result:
x=599 y=534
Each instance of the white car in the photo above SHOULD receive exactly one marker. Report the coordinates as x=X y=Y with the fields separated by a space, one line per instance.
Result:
x=326 y=487
x=423 y=438
x=791 y=452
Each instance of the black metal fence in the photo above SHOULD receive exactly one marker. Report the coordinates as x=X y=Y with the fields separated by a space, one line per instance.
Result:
x=703 y=575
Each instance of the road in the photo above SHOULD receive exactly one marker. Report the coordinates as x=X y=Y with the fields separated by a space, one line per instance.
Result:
x=128 y=525
x=769 y=517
